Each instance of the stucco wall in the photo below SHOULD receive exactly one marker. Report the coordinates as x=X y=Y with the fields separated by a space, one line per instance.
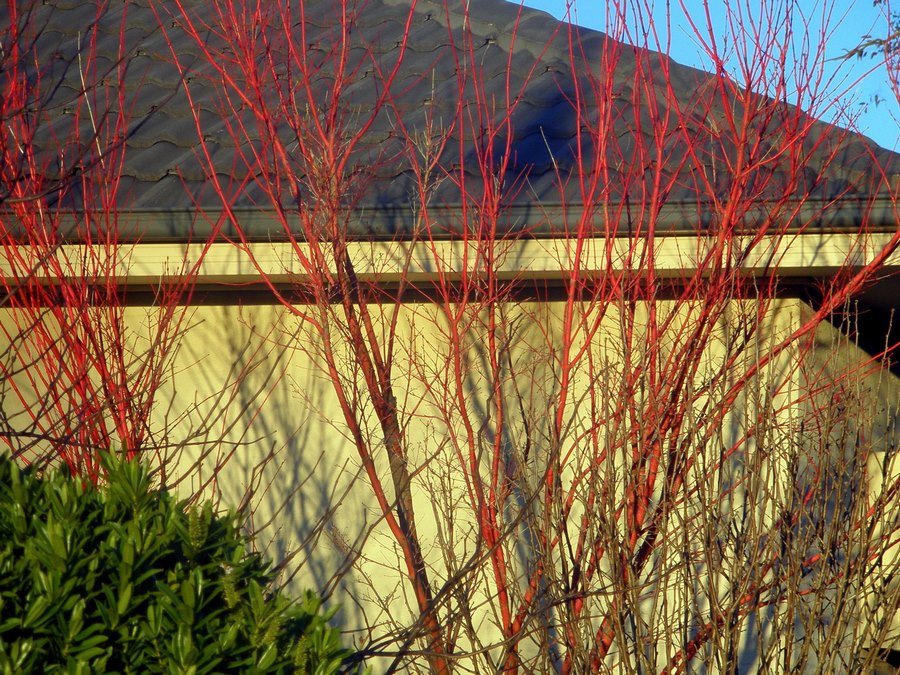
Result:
x=249 y=415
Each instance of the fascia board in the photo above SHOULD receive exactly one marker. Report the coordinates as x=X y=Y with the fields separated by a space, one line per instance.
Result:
x=808 y=255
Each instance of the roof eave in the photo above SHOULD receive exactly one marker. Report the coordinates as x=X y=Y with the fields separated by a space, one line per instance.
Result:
x=540 y=220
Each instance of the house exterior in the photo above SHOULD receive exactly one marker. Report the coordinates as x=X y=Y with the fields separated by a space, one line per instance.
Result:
x=533 y=350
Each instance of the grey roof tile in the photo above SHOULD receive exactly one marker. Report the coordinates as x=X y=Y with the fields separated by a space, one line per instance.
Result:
x=546 y=137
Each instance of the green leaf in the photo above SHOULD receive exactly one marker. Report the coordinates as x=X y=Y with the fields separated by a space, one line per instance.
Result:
x=124 y=599
x=268 y=658
x=76 y=618
x=38 y=613
x=90 y=648
x=10 y=624
x=188 y=597
x=77 y=667
x=85 y=636
x=20 y=651
x=90 y=653
x=127 y=557
x=184 y=645
x=227 y=639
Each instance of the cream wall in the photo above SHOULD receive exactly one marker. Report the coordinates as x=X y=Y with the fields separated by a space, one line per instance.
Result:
x=282 y=407
x=249 y=408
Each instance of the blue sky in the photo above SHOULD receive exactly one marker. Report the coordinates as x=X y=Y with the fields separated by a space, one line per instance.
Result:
x=859 y=83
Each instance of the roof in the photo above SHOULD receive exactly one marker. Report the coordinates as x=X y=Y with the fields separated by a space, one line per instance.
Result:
x=524 y=60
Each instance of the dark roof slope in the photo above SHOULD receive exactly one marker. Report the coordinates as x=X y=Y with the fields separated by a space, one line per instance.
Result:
x=519 y=54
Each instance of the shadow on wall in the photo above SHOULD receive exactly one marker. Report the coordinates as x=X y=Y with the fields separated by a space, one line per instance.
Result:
x=268 y=408
x=854 y=378
x=261 y=436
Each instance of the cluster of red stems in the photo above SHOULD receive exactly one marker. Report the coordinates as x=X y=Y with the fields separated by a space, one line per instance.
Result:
x=586 y=516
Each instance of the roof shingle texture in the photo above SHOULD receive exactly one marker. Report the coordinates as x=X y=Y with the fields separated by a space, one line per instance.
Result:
x=452 y=71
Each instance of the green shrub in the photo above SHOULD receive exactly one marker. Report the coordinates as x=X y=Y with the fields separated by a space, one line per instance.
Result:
x=125 y=578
